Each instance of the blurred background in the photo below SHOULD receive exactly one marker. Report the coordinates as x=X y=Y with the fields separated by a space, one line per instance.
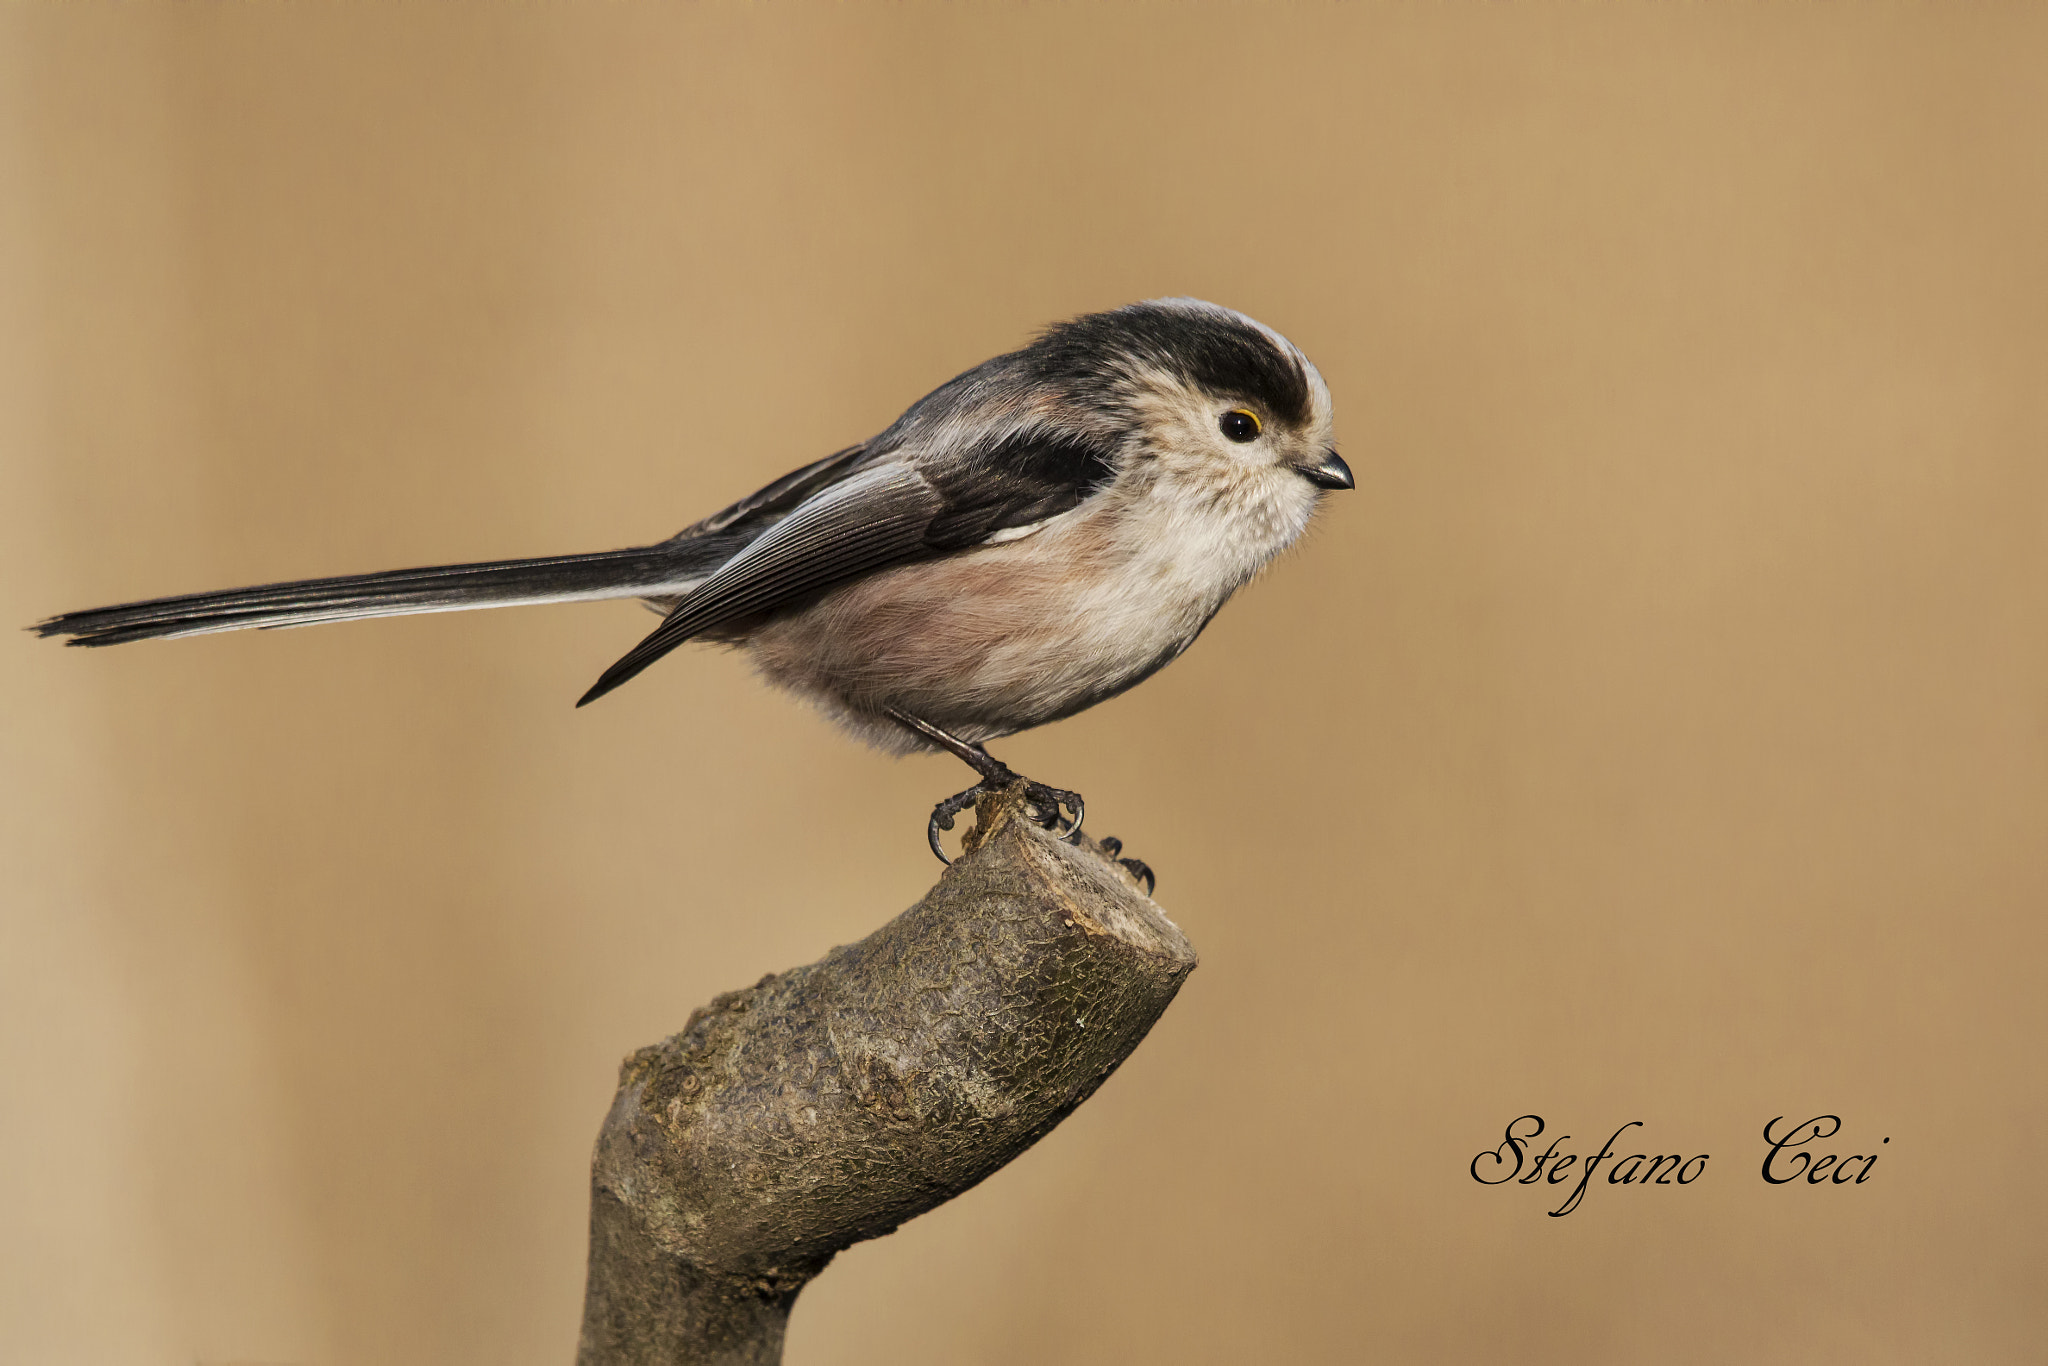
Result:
x=1657 y=734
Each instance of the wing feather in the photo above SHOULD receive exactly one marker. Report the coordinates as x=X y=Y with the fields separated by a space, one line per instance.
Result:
x=866 y=521
x=768 y=502
x=886 y=502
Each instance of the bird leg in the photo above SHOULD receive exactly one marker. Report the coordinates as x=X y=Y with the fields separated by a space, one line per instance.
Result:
x=1043 y=802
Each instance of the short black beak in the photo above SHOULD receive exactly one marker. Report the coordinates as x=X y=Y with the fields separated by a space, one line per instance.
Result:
x=1329 y=473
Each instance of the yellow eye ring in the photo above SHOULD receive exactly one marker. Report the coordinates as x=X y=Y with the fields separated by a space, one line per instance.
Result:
x=1240 y=424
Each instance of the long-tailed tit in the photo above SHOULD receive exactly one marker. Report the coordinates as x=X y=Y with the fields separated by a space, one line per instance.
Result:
x=1027 y=540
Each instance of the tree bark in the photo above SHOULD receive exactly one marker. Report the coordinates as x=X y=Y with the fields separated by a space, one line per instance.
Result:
x=832 y=1102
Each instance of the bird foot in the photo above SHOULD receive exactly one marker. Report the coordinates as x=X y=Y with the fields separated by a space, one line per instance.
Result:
x=1137 y=867
x=1042 y=803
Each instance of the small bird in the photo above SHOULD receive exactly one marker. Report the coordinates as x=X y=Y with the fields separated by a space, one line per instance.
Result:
x=1030 y=538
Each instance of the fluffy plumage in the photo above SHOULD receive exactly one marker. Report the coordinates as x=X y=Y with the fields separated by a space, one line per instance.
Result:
x=1032 y=537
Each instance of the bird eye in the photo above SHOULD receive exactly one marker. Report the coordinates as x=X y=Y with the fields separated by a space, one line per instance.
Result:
x=1240 y=424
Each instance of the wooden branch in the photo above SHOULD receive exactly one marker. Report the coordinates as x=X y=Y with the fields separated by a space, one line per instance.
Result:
x=832 y=1102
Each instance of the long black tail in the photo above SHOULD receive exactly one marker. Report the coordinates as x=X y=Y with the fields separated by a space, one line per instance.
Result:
x=672 y=567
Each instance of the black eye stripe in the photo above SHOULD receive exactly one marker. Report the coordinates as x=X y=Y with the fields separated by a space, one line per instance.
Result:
x=1214 y=350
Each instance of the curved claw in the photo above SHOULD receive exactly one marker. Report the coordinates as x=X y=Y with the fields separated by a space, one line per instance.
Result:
x=1050 y=800
x=1045 y=803
x=1072 y=800
x=942 y=818
x=1139 y=868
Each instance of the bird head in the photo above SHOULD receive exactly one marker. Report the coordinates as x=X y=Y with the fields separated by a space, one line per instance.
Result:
x=1208 y=395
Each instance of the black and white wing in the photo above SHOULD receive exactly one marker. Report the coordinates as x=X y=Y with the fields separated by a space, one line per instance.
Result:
x=874 y=518
x=902 y=508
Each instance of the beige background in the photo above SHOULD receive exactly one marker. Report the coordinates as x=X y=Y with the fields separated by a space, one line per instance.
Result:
x=1657 y=734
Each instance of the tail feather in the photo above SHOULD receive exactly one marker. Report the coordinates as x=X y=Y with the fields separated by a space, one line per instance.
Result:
x=673 y=567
